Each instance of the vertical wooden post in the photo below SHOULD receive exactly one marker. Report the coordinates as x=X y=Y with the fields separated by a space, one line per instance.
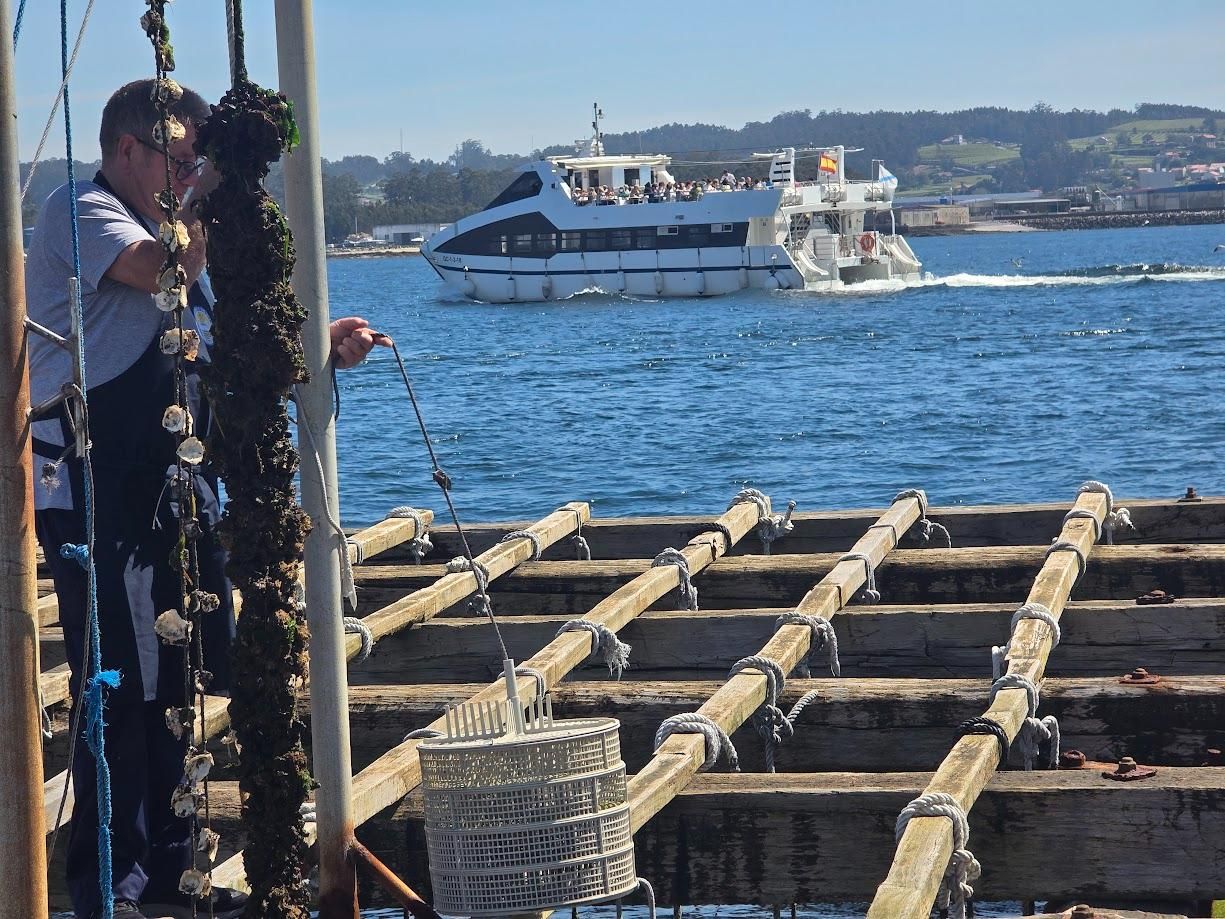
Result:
x=332 y=765
x=23 y=861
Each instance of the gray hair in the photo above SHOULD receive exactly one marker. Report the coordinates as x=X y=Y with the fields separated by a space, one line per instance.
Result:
x=131 y=111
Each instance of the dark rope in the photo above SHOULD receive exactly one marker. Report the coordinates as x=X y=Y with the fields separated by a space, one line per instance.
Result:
x=982 y=725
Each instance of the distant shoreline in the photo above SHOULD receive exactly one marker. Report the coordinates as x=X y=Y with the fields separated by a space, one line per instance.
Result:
x=374 y=251
x=1075 y=222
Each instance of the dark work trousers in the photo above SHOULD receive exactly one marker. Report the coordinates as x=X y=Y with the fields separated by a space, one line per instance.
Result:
x=135 y=531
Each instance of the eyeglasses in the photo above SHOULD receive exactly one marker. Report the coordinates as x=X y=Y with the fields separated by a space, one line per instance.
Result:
x=183 y=169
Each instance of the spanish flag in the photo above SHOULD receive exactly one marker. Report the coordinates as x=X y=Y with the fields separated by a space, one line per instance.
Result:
x=827 y=163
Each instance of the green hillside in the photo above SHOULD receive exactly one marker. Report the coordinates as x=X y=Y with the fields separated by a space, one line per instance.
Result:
x=970 y=154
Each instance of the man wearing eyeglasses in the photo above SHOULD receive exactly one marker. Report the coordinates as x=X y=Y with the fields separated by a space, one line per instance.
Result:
x=130 y=384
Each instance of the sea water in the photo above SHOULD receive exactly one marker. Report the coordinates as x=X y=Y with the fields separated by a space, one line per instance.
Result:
x=1022 y=364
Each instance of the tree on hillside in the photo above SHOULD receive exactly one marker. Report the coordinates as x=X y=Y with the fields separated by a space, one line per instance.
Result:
x=340 y=205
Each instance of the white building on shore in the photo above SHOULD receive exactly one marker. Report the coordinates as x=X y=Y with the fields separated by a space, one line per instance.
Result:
x=406 y=234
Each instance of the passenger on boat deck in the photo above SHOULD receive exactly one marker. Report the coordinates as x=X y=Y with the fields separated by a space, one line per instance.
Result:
x=131 y=384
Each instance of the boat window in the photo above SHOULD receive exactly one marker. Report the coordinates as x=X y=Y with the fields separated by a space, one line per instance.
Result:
x=632 y=176
x=696 y=236
x=645 y=238
x=497 y=245
x=619 y=239
x=721 y=227
x=668 y=231
x=521 y=243
x=546 y=243
x=571 y=242
x=594 y=240
x=526 y=185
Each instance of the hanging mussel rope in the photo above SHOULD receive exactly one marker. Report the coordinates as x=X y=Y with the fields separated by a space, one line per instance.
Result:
x=256 y=358
x=182 y=627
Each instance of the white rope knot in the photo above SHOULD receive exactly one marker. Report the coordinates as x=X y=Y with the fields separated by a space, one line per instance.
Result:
x=1035 y=732
x=868 y=592
x=354 y=626
x=927 y=528
x=822 y=637
x=770 y=526
x=420 y=545
x=529 y=536
x=1063 y=545
x=1018 y=681
x=605 y=645
x=689 y=593
x=963 y=868
x=480 y=600
x=999 y=653
x=718 y=744
x=423 y=734
x=1116 y=518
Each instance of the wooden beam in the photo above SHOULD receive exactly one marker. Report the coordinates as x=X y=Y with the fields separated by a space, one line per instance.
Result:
x=1100 y=638
x=927 y=843
x=979 y=575
x=398 y=771
x=1156 y=520
x=385 y=535
x=878 y=725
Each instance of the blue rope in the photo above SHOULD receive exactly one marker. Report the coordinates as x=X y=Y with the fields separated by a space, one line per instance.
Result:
x=21 y=11
x=101 y=680
x=79 y=554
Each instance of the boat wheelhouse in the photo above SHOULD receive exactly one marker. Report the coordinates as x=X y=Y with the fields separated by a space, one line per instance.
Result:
x=618 y=223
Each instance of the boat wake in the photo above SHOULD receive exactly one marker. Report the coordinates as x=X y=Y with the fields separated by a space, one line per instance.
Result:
x=1074 y=277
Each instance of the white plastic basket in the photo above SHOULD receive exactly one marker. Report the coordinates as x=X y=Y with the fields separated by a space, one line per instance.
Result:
x=528 y=818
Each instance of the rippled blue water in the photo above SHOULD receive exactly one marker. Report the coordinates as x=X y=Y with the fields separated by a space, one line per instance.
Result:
x=1099 y=356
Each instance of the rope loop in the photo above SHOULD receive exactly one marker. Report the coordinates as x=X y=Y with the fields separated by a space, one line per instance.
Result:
x=999 y=653
x=1094 y=487
x=420 y=545
x=1037 y=731
x=1063 y=545
x=541 y=687
x=822 y=637
x=423 y=734
x=1018 y=681
x=770 y=526
x=605 y=645
x=1083 y=513
x=718 y=745
x=354 y=626
x=688 y=592
x=868 y=592
x=581 y=548
x=963 y=868
x=927 y=528
x=78 y=554
x=917 y=493
x=529 y=536
x=984 y=725
x=359 y=551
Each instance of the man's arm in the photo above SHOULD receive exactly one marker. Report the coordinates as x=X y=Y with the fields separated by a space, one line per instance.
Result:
x=140 y=263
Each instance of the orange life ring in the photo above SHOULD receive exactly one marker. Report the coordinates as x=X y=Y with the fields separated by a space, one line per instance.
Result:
x=867 y=242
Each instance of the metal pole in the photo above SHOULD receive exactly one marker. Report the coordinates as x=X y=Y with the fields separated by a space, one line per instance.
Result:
x=329 y=680
x=23 y=858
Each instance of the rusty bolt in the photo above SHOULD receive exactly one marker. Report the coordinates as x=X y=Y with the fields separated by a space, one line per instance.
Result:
x=1190 y=495
x=1081 y=911
x=1071 y=759
x=1128 y=770
x=1141 y=677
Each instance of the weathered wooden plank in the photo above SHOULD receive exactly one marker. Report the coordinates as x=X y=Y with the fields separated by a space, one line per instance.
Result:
x=385 y=535
x=829 y=837
x=398 y=771
x=1156 y=520
x=854 y=725
x=979 y=575
x=1100 y=638
x=926 y=844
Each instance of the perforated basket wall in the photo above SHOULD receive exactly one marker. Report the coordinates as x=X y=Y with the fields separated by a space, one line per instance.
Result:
x=517 y=824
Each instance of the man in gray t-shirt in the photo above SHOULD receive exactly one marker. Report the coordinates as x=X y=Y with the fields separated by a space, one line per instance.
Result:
x=130 y=384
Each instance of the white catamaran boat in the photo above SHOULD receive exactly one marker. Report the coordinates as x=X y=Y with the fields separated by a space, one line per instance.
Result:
x=547 y=236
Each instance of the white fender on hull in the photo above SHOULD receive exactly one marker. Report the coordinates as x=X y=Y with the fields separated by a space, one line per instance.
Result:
x=701 y=282
x=659 y=282
x=468 y=286
x=511 y=288
x=546 y=288
x=743 y=276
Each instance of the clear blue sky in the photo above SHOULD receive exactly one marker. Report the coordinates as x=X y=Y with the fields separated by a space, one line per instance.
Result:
x=524 y=75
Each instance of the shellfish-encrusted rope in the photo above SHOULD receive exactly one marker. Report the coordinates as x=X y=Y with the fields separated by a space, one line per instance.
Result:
x=963 y=868
x=770 y=526
x=529 y=536
x=999 y=653
x=822 y=637
x=420 y=545
x=718 y=744
x=689 y=593
x=1036 y=731
x=605 y=645
x=869 y=592
x=1116 y=517
x=927 y=528
x=1018 y=681
x=355 y=626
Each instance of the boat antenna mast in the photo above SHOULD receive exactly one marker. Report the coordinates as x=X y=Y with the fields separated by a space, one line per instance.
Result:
x=597 y=140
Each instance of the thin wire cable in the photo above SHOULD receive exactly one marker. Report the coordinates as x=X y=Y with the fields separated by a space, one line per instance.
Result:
x=444 y=482
x=55 y=107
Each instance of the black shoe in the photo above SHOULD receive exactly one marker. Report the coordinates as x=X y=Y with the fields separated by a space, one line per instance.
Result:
x=124 y=909
x=227 y=903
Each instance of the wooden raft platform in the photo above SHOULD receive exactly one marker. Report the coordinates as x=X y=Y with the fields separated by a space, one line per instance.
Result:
x=912 y=668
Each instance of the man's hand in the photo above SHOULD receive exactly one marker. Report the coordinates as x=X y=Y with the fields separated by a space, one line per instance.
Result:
x=352 y=340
